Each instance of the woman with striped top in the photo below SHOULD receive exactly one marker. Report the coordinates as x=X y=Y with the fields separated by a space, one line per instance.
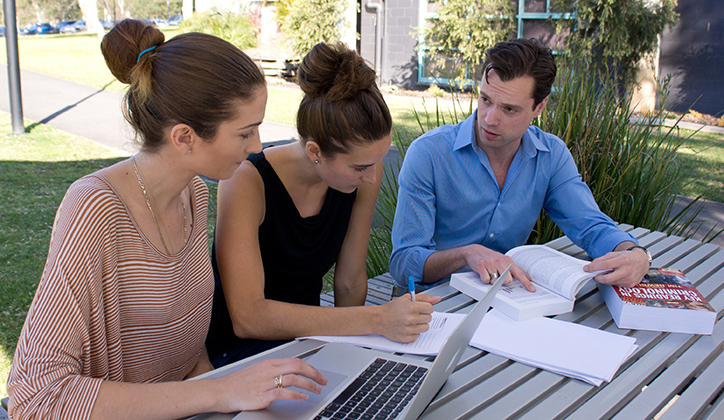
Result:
x=123 y=306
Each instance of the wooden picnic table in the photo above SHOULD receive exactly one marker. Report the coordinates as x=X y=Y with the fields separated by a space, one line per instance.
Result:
x=682 y=373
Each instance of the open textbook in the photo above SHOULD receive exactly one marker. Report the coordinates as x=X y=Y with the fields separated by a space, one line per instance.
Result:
x=557 y=277
x=569 y=349
x=427 y=344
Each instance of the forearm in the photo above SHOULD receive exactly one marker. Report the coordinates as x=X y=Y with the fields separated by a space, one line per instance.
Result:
x=273 y=320
x=167 y=400
x=441 y=264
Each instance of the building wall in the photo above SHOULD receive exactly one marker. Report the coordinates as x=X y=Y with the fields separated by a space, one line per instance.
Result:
x=693 y=54
x=399 y=58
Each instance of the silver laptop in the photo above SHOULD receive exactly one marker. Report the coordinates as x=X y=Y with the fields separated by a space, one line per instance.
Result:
x=371 y=384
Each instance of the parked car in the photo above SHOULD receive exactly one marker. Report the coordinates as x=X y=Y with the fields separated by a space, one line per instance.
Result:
x=43 y=28
x=175 y=20
x=77 y=26
x=160 y=23
x=63 y=24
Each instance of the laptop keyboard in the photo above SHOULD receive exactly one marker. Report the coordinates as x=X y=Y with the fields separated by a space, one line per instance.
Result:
x=380 y=392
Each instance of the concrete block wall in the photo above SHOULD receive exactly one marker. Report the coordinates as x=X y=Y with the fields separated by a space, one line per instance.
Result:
x=399 y=57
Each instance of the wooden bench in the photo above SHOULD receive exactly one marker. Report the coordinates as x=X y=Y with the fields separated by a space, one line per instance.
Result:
x=380 y=290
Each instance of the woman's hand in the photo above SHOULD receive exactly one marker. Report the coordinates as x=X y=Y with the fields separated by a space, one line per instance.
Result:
x=403 y=320
x=256 y=386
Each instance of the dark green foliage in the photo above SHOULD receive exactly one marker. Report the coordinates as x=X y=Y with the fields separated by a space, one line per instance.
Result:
x=614 y=33
x=306 y=23
x=457 y=37
x=233 y=27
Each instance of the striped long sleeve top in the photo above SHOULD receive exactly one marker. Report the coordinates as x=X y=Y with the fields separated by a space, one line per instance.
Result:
x=109 y=306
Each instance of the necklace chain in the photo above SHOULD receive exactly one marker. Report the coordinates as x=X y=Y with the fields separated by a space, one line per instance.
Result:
x=148 y=203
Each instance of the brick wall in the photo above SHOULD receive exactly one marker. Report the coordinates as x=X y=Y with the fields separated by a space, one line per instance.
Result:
x=693 y=53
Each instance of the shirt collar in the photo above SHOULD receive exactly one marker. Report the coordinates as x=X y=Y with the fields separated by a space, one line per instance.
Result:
x=530 y=145
x=466 y=134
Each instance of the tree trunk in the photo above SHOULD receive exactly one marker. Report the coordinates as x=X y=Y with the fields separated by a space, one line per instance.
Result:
x=90 y=14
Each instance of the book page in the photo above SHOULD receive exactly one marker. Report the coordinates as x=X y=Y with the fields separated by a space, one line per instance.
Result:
x=427 y=344
x=553 y=269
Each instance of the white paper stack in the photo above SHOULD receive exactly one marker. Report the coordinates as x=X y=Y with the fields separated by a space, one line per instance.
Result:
x=569 y=349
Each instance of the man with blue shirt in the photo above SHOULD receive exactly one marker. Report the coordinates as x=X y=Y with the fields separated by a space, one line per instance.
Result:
x=472 y=191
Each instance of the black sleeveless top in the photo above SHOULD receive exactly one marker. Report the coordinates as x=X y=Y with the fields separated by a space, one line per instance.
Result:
x=296 y=251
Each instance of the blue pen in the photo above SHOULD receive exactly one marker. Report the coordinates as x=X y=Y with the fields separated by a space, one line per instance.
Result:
x=411 y=287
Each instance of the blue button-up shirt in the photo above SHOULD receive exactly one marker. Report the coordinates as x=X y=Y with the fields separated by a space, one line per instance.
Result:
x=449 y=197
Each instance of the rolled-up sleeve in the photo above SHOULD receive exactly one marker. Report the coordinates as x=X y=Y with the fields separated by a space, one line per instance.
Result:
x=414 y=225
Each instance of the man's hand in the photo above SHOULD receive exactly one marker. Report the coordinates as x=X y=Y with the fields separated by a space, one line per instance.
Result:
x=489 y=264
x=629 y=267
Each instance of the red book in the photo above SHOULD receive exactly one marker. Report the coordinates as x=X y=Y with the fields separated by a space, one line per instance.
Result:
x=665 y=300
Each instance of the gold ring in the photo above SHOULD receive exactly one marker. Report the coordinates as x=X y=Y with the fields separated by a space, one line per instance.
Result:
x=278 y=381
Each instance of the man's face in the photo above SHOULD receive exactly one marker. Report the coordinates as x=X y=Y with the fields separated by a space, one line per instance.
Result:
x=505 y=111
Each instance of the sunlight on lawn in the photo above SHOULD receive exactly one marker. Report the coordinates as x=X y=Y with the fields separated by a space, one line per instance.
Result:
x=5 y=360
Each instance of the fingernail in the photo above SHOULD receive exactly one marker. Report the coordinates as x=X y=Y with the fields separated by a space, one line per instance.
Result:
x=304 y=396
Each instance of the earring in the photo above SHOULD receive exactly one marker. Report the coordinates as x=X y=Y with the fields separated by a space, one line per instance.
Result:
x=189 y=152
x=316 y=162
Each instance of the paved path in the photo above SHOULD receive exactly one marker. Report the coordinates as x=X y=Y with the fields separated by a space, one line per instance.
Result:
x=93 y=113
x=96 y=115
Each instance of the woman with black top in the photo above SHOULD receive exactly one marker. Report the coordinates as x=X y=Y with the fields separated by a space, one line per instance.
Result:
x=291 y=212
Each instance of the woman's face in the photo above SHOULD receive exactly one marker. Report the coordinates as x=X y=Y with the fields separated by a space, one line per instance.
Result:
x=235 y=138
x=345 y=172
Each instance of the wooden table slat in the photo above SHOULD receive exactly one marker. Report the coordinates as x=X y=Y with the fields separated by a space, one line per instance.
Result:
x=480 y=395
x=664 y=245
x=444 y=290
x=695 y=257
x=675 y=254
x=638 y=233
x=454 y=303
x=699 y=394
x=651 y=238
x=659 y=392
x=517 y=401
x=608 y=400
x=713 y=285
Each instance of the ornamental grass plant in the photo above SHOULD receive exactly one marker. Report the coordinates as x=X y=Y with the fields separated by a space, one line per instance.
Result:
x=631 y=167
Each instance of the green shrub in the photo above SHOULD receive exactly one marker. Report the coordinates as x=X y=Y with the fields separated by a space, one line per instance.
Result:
x=233 y=27
x=306 y=23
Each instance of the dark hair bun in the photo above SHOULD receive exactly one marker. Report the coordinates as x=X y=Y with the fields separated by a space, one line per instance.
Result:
x=334 y=72
x=121 y=47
